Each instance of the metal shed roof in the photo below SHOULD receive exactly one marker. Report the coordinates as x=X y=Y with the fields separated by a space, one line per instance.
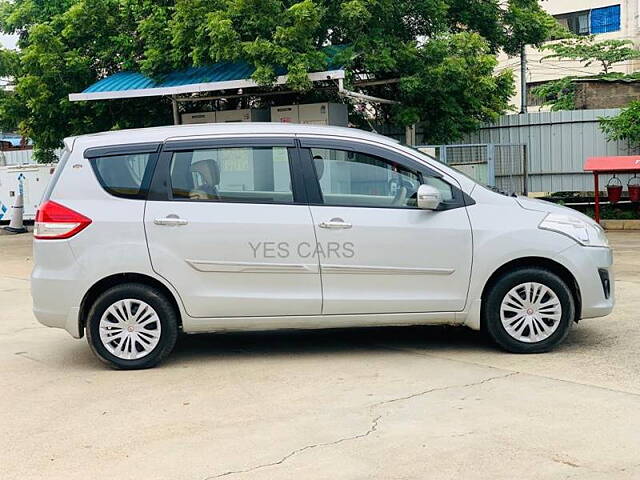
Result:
x=208 y=78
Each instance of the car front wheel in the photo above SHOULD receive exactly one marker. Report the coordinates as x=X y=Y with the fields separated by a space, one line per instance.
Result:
x=529 y=310
x=132 y=326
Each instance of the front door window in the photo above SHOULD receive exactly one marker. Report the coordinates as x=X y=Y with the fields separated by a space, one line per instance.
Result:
x=357 y=179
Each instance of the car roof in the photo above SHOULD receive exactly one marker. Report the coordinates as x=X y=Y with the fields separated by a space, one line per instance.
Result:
x=161 y=134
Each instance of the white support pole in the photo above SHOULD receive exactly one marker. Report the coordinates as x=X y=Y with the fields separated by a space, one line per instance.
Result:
x=361 y=96
x=410 y=134
x=176 y=113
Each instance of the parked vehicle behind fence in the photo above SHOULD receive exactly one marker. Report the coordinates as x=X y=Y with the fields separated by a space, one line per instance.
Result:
x=208 y=228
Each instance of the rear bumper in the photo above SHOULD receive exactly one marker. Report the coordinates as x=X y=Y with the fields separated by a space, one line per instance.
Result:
x=54 y=287
x=590 y=267
x=54 y=319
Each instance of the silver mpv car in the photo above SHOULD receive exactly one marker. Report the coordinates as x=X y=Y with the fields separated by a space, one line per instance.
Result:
x=219 y=227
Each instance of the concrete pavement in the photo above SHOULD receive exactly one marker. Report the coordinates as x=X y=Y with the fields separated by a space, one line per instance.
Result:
x=398 y=403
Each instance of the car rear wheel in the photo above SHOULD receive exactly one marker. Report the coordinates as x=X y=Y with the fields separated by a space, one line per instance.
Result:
x=132 y=326
x=529 y=310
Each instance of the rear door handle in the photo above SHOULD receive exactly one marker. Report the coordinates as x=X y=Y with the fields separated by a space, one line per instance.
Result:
x=170 y=221
x=335 y=223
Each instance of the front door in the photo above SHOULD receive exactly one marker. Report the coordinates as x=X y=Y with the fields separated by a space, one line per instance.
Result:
x=224 y=222
x=378 y=252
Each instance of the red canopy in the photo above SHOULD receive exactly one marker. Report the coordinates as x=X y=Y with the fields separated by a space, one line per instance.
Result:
x=629 y=163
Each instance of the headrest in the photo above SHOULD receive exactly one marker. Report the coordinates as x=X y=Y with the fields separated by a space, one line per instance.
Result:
x=209 y=169
x=319 y=163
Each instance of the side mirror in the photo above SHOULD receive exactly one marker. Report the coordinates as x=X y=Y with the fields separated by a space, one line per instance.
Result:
x=429 y=197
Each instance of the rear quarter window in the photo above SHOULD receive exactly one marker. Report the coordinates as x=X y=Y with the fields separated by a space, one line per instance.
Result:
x=127 y=175
x=56 y=175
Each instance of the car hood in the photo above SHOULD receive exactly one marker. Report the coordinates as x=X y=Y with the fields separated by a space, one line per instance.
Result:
x=544 y=206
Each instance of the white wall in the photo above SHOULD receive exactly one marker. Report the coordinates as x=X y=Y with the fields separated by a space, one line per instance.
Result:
x=20 y=157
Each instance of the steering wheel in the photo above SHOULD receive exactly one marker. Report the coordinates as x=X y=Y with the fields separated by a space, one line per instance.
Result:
x=202 y=195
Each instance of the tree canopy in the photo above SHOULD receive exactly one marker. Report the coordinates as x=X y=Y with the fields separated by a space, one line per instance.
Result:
x=442 y=52
x=588 y=51
x=625 y=126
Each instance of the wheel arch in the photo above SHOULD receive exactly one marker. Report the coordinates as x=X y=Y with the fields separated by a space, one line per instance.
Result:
x=539 y=262
x=127 y=277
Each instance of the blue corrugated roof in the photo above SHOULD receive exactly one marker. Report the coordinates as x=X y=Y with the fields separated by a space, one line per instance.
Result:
x=218 y=72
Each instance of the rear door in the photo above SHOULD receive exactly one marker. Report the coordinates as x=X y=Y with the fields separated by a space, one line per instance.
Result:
x=225 y=221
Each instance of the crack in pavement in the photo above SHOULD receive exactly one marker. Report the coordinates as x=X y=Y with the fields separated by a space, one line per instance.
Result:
x=28 y=357
x=9 y=277
x=13 y=332
x=440 y=389
x=504 y=369
x=372 y=428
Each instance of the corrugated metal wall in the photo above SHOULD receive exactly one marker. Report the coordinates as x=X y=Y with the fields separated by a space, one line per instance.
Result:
x=558 y=144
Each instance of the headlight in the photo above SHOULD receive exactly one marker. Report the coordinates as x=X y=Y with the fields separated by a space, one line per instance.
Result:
x=585 y=233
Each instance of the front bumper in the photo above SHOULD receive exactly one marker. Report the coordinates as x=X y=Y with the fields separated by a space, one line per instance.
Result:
x=592 y=269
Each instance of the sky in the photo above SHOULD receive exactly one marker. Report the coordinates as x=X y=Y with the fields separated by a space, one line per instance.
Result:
x=8 y=41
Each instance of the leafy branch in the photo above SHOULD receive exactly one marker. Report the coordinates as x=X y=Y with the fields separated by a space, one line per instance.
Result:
x=559 y=94
x=587 y=51
x=625 y=126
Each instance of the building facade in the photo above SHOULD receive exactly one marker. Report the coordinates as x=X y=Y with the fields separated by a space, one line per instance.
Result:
x=606 y=19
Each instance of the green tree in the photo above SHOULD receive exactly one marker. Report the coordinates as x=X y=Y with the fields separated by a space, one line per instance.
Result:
x=588 y=51
x=442 y=52
x=625 y=126
x=525 y=23
x=64 y=47
x=560 y=94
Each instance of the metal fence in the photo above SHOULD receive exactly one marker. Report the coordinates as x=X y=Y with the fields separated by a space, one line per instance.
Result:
x=558 y=144
x=16 y=157
x=503 y=166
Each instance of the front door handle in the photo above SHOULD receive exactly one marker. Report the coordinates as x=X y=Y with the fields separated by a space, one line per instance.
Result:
x=335 y=223
x=170 y=221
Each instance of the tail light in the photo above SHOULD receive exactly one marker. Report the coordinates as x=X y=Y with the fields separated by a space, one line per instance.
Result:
x=55 y=222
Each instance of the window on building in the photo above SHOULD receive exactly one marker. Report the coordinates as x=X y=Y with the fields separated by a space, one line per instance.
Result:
x=597 y=20
x=605 y=19
x=575 y=22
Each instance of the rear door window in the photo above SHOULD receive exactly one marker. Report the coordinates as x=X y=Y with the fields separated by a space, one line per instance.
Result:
x=232 y=174
x=126 y=176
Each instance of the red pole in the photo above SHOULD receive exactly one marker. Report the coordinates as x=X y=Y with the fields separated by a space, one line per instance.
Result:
x=597 y=196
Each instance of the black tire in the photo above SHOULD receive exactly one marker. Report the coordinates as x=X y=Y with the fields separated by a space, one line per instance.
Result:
x=151 y=296
x=496 y=293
